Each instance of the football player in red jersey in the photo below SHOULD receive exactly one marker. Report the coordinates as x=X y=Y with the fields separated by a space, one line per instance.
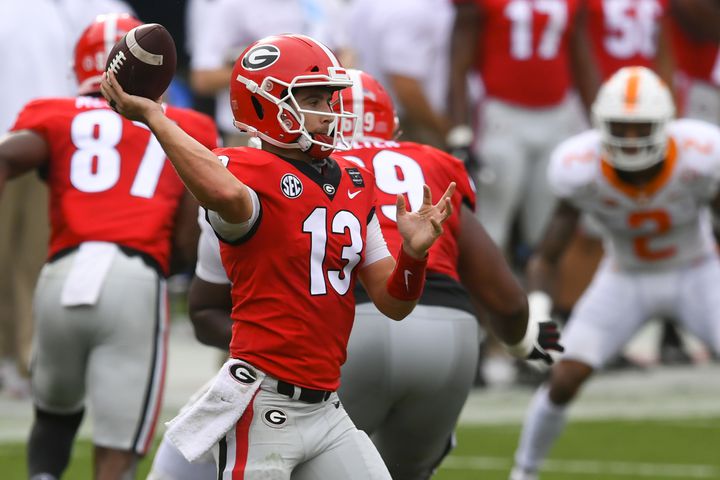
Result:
x=404 y=383
x=630 y=33
x=117 y=210
x=531 y=57
x=298 y=229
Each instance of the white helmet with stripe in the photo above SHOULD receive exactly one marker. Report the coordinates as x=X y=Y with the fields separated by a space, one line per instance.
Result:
x=633 y=95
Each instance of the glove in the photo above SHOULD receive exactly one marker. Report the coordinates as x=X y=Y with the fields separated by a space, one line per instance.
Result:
x=542 y=337
x=459 y=141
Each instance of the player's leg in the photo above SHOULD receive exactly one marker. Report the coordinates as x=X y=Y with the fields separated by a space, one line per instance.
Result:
x=366 y=387
x=700 y=303
x=546 y=129
x=504 y=169
x=434 y=360
x=605 y=318
x=60 y=348
x=170 y=464
x=338 y=449
x=50 y=443
x=126 y=369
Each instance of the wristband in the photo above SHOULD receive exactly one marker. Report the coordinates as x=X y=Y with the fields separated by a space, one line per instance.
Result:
x=406 y=282
x=539 y=306
x=459 y=136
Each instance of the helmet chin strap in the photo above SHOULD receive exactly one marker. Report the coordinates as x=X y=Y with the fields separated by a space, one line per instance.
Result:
x=313 y=149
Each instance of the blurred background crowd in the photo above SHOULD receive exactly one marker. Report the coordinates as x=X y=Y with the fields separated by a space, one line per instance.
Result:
x=499 y=104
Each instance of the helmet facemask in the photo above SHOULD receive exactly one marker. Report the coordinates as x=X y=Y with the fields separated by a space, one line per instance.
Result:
x=631 y=111
x=645 y=147
x=292 y=117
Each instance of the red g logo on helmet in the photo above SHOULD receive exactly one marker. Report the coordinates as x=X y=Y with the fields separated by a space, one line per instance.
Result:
x=260 y=57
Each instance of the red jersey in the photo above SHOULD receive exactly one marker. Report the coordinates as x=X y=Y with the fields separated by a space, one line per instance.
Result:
x=108 y=177
x=624 y=32
x=404 y=168
x=293 y=276
x=523 y=50
x=697 y=59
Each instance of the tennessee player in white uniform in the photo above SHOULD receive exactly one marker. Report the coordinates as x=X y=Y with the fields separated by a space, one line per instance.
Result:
x=651 y=183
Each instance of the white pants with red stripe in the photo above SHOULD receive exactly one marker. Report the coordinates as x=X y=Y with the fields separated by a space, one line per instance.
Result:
x=113 y=352
x=279 y=438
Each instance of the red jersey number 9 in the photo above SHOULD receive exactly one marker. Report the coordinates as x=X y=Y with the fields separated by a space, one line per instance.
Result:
x=396 y=173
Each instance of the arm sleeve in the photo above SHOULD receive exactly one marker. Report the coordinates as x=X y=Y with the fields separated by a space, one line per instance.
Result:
x=376 y=248
x=209 y=265
x=233 y=232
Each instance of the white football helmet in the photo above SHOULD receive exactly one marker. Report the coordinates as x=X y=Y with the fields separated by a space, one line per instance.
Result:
x=633 y=95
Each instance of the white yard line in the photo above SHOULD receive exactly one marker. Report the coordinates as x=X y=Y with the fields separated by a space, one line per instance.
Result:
x=687 y=392
x=590 y=467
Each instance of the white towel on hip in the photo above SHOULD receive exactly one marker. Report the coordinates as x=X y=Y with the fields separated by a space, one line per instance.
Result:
x=201 y=426
x=87 y=274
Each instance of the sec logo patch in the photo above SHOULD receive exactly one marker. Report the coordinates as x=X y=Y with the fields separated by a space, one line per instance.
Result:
x=291 y=185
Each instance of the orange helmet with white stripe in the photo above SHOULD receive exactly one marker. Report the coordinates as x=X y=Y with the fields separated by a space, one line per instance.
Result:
x=94 y=45
x=633 y=95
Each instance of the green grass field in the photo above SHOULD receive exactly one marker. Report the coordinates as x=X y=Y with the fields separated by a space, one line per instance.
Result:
x=598 y=450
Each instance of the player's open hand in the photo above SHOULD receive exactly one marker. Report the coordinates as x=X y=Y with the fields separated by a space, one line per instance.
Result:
x=131 y=107
x=420 y=229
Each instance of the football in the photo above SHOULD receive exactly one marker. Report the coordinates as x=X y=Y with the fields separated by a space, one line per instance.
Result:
x=144 y=61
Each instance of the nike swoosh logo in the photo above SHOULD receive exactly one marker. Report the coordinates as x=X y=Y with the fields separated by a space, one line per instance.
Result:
x=407 y=275
x=353 y=194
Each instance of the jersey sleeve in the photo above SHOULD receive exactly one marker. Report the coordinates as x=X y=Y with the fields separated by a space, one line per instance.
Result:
x=465 y=184
x=699 y=143
x=456 y=171
x=573 y=165
x=36 y=116
x=198 y=125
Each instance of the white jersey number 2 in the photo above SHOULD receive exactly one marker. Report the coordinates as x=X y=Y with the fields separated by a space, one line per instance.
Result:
x=95 y=165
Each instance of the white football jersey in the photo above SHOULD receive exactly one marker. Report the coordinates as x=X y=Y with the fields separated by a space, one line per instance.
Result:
x=663 y=224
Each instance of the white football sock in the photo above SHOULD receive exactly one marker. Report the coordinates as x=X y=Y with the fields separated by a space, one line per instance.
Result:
x=543 y=424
